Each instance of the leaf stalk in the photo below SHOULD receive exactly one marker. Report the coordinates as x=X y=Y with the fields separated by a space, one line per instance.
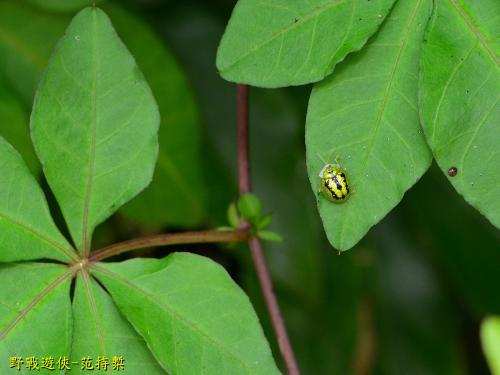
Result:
x=236 y=235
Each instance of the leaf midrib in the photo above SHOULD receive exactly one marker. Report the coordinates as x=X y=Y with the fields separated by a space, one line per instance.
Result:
x=383 y=107
x=37 y=234
x=281 y=32
x=476 y=32
x=95 y=315
x=172 y=312
x=90 y=178
x=35 y=301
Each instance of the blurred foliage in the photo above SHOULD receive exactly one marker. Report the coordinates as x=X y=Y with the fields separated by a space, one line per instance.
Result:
x=14 y=120
x=63 y=6
x=490 y=335
x=407 y=299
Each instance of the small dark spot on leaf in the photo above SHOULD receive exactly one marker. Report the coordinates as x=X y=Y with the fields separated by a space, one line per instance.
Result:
x=452 y=172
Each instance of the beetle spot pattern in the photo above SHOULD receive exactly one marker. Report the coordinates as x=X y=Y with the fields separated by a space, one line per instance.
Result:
x=333 y=183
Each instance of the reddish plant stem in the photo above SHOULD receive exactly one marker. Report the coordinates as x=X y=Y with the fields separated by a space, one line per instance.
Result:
x=243 y=140
x=170 y=239
x=254 y=243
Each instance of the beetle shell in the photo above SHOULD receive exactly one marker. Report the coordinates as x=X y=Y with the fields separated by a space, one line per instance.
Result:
x=452 y=172
x=333 y=183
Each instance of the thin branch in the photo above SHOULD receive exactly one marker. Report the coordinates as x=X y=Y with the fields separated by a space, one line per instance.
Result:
x=254 y=243
x=243 y=140
x=170 y=239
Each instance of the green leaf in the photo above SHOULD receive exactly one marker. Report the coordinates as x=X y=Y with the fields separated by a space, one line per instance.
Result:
x=250 y=207
x=225 y=229
x=26 y=227
x=15 y=126
x=176 y=195
x=366 y=114
x=94 y=125
x=197 y=321
x=265 y=221
x=100 y=330
x=490 y=338
x=35 y=311
x=460 y=93
x=232 y=216
x=280 y=43
x=25 y=46
x=63 y=5
x=268 y=235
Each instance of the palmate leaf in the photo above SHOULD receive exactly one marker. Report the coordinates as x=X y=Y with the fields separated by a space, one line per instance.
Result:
x=35 y=312
x=366 y=114
x=460 y=98
x=94 y=125
x=100 y=330
x=37 y=316
x=194 y=318
x=281 y=42
x=27 y=230
x=176 y=195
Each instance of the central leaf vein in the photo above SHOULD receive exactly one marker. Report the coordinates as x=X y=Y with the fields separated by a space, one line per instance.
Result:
x=378 y=122
x=86 y=202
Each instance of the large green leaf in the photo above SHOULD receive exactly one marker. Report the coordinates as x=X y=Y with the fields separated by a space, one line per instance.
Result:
x=280 y=42
x=35 y=313
x=305 y=275
x=100 y=330
x=230 y=341
x=460 y=94
x=26 y=228
x=176 y=195
x=490 y=337
x=25 y=46
x=197 y=321
x=94 y=125
x=366 y=114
